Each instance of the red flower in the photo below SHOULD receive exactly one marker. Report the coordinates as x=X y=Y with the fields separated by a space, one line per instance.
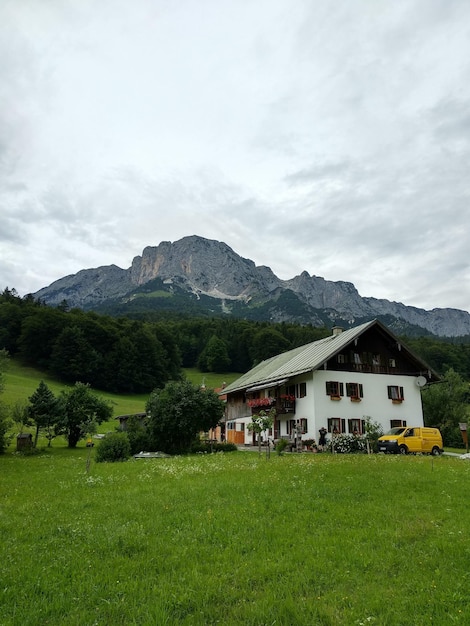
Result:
x=261 y=402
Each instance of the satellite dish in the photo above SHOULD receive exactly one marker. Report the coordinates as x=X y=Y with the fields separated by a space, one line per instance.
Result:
x=421 y=381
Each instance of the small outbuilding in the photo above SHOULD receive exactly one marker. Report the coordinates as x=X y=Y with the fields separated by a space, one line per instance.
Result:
x=24 y=441
x=141 y=417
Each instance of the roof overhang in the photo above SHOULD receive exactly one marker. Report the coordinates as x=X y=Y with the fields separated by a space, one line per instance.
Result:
x=267 y=385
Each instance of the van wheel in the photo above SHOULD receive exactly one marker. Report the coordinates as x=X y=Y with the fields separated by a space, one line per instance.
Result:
x=403 y=450
x=436 y=451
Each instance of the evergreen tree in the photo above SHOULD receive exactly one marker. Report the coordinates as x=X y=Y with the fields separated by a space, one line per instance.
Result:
x=44 y=411
x=73 y=358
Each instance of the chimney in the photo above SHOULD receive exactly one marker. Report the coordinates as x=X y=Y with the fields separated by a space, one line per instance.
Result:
x=336 y=330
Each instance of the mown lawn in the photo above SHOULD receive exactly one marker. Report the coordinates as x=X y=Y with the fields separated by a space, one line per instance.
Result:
x=234 y=539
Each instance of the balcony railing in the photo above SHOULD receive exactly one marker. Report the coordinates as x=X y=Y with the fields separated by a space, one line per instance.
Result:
x=281 y=405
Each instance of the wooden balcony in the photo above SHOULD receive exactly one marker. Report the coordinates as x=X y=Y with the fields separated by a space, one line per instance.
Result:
x=281 y=405
x=284 y=406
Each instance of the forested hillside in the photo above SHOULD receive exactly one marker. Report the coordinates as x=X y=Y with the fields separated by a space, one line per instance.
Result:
x=123 y=355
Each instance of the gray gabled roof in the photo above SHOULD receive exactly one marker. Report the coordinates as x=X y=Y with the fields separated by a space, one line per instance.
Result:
x=297 y=361
x=309 y=357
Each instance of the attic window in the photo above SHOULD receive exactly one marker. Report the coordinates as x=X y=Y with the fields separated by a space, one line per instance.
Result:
x=341 y=358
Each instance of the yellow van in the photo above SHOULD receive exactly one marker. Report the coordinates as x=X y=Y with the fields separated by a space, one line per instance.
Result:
x=407 y=439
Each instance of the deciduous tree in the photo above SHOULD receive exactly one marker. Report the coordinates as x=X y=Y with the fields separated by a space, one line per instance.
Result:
x=178 y=412
x=445 y=405
x=260 y=424
x=80 y=407
x=214 y=357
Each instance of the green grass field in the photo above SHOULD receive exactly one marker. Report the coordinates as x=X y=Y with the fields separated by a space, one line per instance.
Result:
x=21 y=382
x=228 y=538
x=234 y=539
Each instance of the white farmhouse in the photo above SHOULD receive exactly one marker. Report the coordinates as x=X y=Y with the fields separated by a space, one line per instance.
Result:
x=334 y=383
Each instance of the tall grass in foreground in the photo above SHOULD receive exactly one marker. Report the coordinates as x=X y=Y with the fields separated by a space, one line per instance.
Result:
x=234 y=539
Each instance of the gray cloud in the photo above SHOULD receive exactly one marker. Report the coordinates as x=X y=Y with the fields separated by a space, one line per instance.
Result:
x=330 y=137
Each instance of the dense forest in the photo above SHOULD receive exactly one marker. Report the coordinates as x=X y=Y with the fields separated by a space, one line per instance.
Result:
x=127 y=355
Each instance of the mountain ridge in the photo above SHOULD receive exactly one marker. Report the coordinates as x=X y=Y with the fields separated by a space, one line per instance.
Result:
x=197 y=268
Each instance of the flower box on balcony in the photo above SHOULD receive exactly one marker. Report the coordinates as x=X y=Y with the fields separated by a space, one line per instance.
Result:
x=355 y=399
x=397 y=401
x=335 y=398
x=261 y=403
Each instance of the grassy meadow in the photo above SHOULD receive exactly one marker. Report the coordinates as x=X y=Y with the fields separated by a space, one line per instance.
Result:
x=21 y=382
x=234 y=539
x=228 y=538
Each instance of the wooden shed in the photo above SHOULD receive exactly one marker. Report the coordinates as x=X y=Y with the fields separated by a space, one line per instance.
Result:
x=24 y=441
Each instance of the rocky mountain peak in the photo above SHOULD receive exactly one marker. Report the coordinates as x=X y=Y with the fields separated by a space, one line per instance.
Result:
x=205 y=266
x=199 y=266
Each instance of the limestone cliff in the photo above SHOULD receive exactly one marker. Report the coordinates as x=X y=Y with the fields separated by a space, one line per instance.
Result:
x=203 y=267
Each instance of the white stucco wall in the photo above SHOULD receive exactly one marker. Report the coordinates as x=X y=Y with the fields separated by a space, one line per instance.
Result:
x=316 y=407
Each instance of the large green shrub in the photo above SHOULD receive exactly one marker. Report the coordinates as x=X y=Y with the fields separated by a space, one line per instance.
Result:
x=138 y=435
x=281 y=445
x=114 y=447
x=178 y=413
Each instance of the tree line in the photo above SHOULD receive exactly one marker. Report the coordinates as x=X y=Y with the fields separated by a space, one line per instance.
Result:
x=125 y=355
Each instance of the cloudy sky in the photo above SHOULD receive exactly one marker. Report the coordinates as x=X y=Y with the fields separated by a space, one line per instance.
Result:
x=331 y=136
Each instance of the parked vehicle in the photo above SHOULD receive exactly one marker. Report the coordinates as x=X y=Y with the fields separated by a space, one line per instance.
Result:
x=414 y=439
